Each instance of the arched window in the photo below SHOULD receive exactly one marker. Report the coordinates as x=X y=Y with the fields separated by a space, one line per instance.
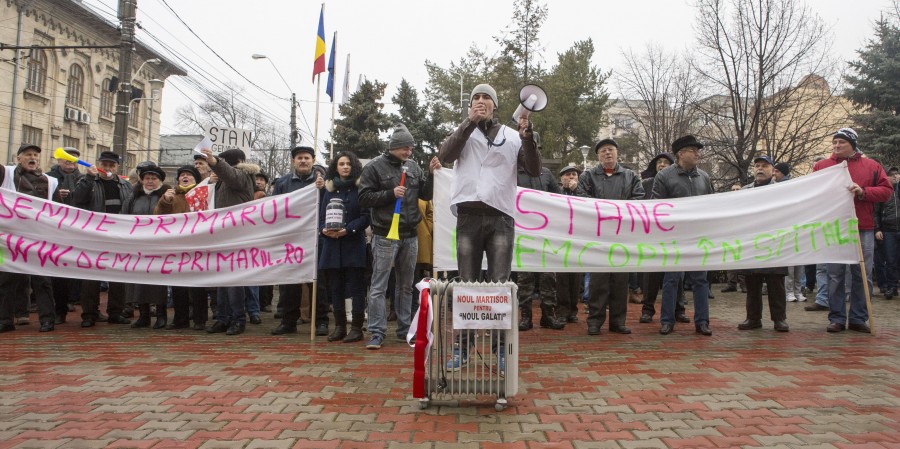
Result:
x=36 y=76
x=75 y=87
x=106 y=99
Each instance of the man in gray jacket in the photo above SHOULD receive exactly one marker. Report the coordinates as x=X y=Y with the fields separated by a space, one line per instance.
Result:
x=684 y=179
x=609 y=181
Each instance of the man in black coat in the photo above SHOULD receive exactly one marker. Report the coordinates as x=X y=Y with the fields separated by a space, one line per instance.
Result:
x=763 y=170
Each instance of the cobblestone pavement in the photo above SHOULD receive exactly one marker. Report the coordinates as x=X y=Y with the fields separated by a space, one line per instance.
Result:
x=112 y=386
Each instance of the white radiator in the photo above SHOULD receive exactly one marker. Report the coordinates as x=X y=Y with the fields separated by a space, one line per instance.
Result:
x=482 y=375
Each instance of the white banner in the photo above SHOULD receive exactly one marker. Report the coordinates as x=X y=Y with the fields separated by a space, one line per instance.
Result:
x=268 y=241
x=808 y=220
x=482 y=307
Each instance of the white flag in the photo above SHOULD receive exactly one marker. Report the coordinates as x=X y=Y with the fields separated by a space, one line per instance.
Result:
x=346 y=95
x=206 y=143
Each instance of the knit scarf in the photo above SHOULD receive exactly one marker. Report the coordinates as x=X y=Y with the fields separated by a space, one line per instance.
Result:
x=340 y=184
x=184 y=189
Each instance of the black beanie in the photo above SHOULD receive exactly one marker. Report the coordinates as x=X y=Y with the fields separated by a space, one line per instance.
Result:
x=401 y=138
x=233 y=156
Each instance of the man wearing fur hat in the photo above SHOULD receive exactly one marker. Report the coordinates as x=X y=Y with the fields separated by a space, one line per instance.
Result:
x=379 y=189
x=609 y=181
x=26 y=178
x=108 y=193
x=235 y=186
x=485 y=155
x=870 y=185
x=684 y=179
x=290 y=295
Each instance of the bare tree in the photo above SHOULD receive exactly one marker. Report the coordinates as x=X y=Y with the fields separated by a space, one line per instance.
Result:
x=226 y=108
x=748 y=51
x=661 y=91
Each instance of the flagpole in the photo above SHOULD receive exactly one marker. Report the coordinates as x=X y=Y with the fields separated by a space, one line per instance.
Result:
x=333 y=103
x=316 y=133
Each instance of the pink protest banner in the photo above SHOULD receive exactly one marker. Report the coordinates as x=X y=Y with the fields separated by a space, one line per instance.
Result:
x=808 y=220
x=267 y=241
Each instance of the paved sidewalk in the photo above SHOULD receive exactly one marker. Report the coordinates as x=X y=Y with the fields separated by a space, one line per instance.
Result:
x=112 y=386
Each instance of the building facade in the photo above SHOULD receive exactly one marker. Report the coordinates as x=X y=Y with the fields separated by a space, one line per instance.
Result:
x=66 y=97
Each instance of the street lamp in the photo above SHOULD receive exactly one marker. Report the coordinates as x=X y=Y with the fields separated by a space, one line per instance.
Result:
x=293 y=98
x=155 y=94
x=584 y=152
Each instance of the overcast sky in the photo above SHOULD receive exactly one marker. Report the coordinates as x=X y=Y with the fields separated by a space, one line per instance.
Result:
x=390 y=39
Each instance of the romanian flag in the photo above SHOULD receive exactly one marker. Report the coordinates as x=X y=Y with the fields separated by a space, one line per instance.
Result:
x=329 y=88
x=319 y=63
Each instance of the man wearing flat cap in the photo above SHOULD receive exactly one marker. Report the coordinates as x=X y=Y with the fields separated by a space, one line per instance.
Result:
x=684 y=179
x=105 y=192
x=609 y=181
x=764 y=175
x=870 y=185
x=290 y=295
x=379 y=189
x=26 y=178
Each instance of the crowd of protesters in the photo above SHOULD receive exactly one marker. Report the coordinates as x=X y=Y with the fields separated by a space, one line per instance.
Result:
x=358 y=261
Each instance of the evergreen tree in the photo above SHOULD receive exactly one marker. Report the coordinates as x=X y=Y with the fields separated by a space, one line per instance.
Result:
x=362 y=122
x=424 y=127
x=875 y=88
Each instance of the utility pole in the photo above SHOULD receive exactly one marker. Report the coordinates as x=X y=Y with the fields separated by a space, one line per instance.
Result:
x=293 y=119
x=127 y=13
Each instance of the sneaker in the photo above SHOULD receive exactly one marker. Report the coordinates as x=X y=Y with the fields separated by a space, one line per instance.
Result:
x=801 y=298
x=375 y=342
x=460 y=359
x=791 y=298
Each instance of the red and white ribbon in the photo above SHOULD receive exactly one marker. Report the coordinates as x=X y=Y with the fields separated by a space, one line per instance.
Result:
x=420 y=337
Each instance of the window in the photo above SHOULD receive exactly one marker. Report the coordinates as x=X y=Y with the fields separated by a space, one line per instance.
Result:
x=36 y=75
x=106 y=99
x=132 y=160
x=75 y=87
x=71 y=142
x=32 y=135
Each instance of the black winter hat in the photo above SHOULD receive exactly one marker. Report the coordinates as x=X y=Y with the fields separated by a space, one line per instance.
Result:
x=651 y=167
x=783 y=167
x=190 y=169
x=685 y=141
x=152 y=169
x=109 y=156
x=264 y=176
x=607 y=141
x=233 y=156
x=847 y=134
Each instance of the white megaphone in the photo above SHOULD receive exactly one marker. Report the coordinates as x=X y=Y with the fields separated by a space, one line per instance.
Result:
x=532 y=99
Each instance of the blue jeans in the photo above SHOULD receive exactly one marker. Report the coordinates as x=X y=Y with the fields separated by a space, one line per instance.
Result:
x=859 y=313
x=700 y=288
x=230 y=306
x=891 y=258
x=822 y=284
x=401 y=256
x=251 y=299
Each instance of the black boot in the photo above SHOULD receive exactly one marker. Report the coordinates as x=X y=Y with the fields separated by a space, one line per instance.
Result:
x=161 y=317
x=550 y=321
x=525 y=323
x=340 y=327
x=144 y=319
x=356 y=332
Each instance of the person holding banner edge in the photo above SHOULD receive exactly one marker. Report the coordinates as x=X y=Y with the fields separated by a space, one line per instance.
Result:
x=26 y=178
x=870 y=185
x=483 y=192
x=684 y=179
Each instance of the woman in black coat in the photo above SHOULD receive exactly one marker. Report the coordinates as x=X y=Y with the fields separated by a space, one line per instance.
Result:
x=343 y=252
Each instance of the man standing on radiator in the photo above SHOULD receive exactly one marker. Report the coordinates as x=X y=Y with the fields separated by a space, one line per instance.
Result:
x=485 y=155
